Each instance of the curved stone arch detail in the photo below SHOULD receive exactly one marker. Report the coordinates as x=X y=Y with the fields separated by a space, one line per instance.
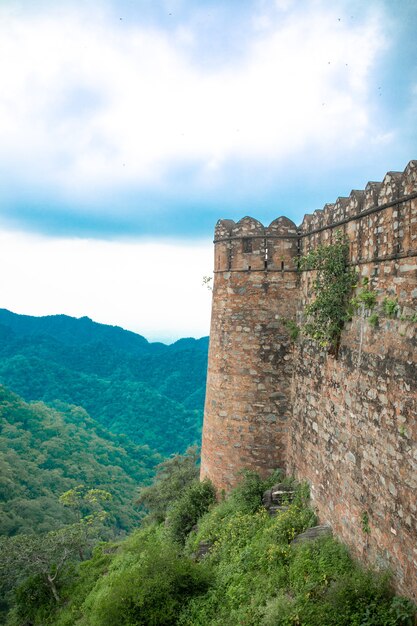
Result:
x=223 y=229
x=391 y=187
x=282 y=244
x=281 y=226
x=248 y=226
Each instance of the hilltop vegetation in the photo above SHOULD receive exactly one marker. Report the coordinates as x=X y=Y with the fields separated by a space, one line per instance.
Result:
x=45 y=452
x=252 y=574
x=151 y=392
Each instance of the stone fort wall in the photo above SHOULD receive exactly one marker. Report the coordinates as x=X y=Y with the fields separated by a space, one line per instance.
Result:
x=348 y=425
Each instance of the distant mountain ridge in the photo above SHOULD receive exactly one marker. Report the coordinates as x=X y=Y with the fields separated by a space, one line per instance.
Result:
x=151 y=392
x=83 y=330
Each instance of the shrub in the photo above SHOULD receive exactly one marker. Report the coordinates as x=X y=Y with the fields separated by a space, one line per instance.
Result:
x=186 y=511
x=367 y=298
x=390 y=307
x=247 y=496
x=172 y=477
x=33 y=601
x=278 y=611
x=316 y=563
x=147 y=585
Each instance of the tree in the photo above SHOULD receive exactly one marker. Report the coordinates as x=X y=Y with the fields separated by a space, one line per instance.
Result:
x=88 y=510
x=44 y=556
x=172 y=477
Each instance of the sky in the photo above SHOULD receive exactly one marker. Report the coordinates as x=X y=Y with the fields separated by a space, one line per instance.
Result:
x=128 y=127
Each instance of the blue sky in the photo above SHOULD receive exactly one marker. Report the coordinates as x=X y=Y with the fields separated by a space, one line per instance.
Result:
x=130 y=122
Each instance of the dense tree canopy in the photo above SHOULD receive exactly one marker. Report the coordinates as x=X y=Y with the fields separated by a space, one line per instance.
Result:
x=152 y=393
x=45 y=452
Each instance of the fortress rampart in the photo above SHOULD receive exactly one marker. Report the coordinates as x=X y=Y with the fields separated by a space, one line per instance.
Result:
x=348 y=425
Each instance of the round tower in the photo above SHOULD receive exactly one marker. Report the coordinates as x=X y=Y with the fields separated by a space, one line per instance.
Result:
x=249 y=372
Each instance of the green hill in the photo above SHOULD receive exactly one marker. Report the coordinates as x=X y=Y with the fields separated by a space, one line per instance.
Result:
x=152 y=392
x=45 y=452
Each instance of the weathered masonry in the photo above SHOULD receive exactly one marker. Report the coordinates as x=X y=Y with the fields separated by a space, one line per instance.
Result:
x=348 y=425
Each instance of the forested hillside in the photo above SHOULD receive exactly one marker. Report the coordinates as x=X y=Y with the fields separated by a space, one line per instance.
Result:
x=195 y=562
x=151 y=392
x=45 y=452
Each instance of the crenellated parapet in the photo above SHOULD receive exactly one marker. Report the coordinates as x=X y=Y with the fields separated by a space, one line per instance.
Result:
x=378 y=222
x=251 y=246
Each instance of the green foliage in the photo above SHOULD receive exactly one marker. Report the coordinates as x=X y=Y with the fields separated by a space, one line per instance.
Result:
x=172 y=477
x=368 y=300
x=187 y=510
x=367 y=297
x=79 y=586
x=329 y=311
x=43 y=558
x=402 y=431
x=409 y=318
x=327 y=587
x=261 y=579
x=293 y=329
x=402 y=611
x=247 y=496
x=33 y=601
x=87 y=504
x=252 y=575
x=148 y=583
x=45 y=452
x=374 y=320
x=152 y=393
x=366 y=529
x=390 y=307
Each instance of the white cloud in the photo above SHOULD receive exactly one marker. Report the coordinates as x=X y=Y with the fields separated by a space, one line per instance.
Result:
x=153 y=289
x=87 y=100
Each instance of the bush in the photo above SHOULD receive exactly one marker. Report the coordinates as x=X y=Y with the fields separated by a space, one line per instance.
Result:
x=186 y=511
x=252 y=575
x=172 y=477
x=147 y=584
x=33 y=601
x=316 y=563
x=333 y=282
x=247 y=496
x=367 y=298
x=390 y=307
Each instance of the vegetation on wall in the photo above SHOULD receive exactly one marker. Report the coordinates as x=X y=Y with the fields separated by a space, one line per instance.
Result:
x=333 y=282
x=332 y=305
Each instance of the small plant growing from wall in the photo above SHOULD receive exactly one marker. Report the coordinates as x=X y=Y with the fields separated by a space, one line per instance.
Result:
x=208 y=282
x=374 y=320
x=292 y=328
x=390 y=307
x=366 y=529
x=367 y=297
x=329 y=311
